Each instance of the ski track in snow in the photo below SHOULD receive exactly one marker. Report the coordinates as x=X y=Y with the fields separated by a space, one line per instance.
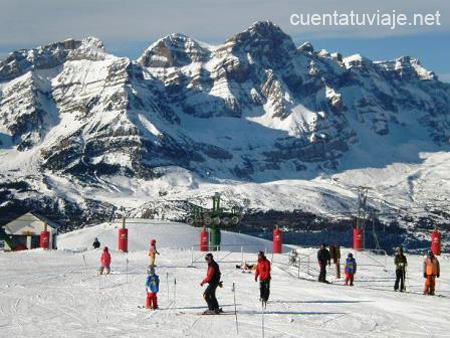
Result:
x=58 y=294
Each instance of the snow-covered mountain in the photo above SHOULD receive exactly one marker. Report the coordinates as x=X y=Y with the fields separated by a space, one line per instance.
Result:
x=85 y=134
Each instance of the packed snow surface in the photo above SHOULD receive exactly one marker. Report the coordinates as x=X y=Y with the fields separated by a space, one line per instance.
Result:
x=58 y=293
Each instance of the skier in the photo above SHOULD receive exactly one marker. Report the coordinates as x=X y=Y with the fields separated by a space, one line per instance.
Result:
x=400 y=270
x=153 y=252
x=263 y=272
x=213 y=280
x=96 y=243
x=323 y=256
x=350 y=269
x=245 y=267
x=105 y=261
x=152 y=285
x=431 y=270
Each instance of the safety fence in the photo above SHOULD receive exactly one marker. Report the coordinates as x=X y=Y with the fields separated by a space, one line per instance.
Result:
x=236 y=253
x=379 y=260
x=298 y=262
x=228 y=253
x=305 y=263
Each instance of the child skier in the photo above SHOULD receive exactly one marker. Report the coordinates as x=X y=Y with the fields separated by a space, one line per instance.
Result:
x=431 y=270
x=350 y=269
x=153 y=252
x=105 y=261
x=152 y=285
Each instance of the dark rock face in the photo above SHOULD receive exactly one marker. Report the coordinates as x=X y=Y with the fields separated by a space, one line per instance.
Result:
x=254 y=108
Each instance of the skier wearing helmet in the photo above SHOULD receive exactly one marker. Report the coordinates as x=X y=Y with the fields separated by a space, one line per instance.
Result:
x=213 y=280
x=350 y=269
x=153 y=252
x=431 y=270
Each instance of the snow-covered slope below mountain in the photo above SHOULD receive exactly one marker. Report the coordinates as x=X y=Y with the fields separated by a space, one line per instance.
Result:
x=169 y=235
x=86 y=135
x=58 y=293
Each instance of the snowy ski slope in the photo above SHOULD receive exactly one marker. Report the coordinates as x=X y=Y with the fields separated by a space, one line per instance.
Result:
x=58 y=294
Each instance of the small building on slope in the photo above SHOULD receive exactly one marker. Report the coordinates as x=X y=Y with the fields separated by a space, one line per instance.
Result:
x=24 y=232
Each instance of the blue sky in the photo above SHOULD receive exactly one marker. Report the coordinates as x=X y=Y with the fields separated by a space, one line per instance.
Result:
x=128 y=27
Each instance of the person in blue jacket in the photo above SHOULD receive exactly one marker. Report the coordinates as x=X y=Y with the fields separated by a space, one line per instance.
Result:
x=350 y=269
x=152 y=286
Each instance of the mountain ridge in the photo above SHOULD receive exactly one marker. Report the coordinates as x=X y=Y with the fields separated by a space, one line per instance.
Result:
x=255 y=109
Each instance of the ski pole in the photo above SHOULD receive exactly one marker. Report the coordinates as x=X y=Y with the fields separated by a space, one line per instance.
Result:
x=175 y=293
x=168 y=290
x=436 y=287
x=262 y=318
x=406 y=278
x=235 y=309
x=85 y=265
x=127 y=270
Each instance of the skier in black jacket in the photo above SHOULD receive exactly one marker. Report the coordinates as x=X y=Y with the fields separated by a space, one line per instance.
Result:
x=213 y=280
x=323 y=257
x=400 y=270
x=96 y=243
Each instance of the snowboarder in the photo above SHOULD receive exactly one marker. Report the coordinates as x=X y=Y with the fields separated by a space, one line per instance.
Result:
x=431 y=270
x=323 y=257
x=350 y=269
x=105 y=261
x=152 y=285
x=263 y=272
x=153 y=252
x=96 y=243
x=213 y=280
x=400 y=270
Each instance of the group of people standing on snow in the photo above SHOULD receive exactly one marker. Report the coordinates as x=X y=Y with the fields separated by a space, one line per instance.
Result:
x=105 y=258
x=152 y=281
x=324 y=259
x=431 y=269
x=213 y=279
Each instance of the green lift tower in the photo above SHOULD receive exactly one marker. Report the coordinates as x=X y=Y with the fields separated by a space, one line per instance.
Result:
x=215 y=219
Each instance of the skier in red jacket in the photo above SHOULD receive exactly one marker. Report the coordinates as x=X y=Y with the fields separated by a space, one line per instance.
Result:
x=263 y=272
x=105 y=261
x=213 y=280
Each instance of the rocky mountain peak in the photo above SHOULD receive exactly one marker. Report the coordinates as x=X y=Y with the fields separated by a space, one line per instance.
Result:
x=357 y=60
x=264 y=29
x=48 y=56
x=92 y=42
x=260 y=32
x=175 y=50
x=408 y=68
x=265 y=41
x=254 y=108
x=306 y=47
